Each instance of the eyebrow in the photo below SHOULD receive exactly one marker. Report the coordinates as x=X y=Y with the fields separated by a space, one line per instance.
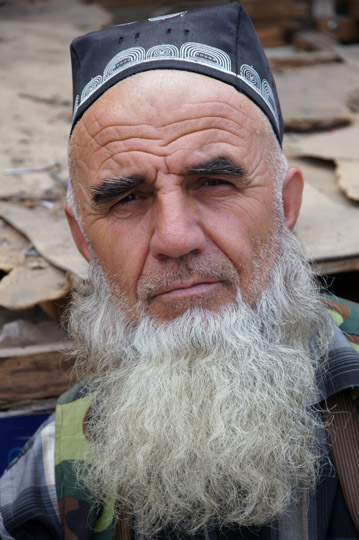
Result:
x=113 y=188
x=221 y=166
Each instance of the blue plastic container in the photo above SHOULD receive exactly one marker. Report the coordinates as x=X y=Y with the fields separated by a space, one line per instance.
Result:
x=14 y=432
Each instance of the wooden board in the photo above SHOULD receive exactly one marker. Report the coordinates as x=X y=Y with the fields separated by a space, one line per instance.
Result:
x=13 y=247
x=311 y=97
x=25 y=287
x=342 y=28
x=340 y=144
x=337 y=266
x=30 y=186
x=50 y=234
x=348 y=177
x=328 y=230
x=37 y=372
x=301 y=59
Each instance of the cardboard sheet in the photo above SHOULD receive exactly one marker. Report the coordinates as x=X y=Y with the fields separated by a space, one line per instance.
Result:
x=24 y=287
x=348 y=177
x=49 y=233
x=327 y=229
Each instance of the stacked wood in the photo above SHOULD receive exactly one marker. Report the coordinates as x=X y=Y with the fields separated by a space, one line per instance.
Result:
x=272 y=18
x=33 y=375
x=343 y=28
x=337 y=19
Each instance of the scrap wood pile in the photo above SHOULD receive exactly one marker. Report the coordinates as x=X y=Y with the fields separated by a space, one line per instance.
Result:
x=318 y=83
x=275 y=20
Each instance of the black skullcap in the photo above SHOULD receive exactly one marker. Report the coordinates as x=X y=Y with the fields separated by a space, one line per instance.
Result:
x=218 y=41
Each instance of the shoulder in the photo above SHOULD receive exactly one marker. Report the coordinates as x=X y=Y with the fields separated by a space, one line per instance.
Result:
x=27 y=489
x=345 y=314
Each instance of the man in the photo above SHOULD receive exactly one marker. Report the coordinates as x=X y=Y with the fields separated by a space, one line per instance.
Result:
x=203 y=344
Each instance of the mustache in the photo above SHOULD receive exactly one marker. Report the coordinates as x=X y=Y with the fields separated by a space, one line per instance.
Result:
x=175 y=273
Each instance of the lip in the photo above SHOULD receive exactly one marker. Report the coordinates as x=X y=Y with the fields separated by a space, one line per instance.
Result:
x=190 y=288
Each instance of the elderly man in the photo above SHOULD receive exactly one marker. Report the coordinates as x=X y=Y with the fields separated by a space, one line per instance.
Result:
x=203 y=344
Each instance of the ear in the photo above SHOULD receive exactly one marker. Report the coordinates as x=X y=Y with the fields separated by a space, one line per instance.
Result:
x=77 y=235
x=292 y=196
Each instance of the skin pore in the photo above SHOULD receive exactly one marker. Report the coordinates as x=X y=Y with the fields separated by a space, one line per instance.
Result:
x=177 y=202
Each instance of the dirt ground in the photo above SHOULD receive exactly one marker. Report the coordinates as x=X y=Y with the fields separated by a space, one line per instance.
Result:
x=35 y=75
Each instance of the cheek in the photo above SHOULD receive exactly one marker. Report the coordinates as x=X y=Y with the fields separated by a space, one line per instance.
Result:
x=122 y=252
x=240 y=229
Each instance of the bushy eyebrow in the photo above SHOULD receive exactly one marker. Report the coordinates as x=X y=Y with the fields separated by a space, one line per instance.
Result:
x=115 y=187
x=221 y=166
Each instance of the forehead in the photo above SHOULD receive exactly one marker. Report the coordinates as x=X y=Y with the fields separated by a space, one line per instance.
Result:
x=168 y=114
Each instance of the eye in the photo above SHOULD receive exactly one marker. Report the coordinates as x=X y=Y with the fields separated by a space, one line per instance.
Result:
x=214 y=182
x=129 y=198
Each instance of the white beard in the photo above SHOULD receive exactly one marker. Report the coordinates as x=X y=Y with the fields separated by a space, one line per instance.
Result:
x=204 y=420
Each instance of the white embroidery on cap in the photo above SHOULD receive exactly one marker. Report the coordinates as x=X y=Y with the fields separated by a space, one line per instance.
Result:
x=162 y=51
x=91 y=87
x=124 y=60
x=164 y=17
x=191 y=52
x=205 y=54
x=250 y=76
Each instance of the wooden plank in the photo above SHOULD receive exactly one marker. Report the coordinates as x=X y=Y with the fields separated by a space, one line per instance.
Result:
x=344 y=29
x=270 y=35
x=312 y=40
x=33 y=374
x=301 y=10
x=354 y=9
x=336 y=267
x=298 y=60
x=340 y=144
x=328 y=230
x=348 y=177
x=50 y=234
x=268 y=10
x=311 y=97
x=173 y=5
x=328 y=223
x=13 y=247
x=32 y=185
x=25 y=287
x=258 y=10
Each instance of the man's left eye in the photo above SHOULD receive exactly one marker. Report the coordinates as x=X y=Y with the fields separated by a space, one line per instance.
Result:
x=214 y=182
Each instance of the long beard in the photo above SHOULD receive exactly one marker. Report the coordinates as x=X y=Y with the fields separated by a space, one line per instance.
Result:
x=204 y=420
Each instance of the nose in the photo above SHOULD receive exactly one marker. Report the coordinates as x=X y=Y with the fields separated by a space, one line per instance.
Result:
x=177 y=230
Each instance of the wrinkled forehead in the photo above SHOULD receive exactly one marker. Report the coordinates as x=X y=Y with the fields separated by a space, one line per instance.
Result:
x=168 y=121
x=160 y=104
x=218 y=42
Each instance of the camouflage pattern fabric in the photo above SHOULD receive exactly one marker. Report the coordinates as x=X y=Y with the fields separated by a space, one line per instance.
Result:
x=81 y=518
x=346 y=316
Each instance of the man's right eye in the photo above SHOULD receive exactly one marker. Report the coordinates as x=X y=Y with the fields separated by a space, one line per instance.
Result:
x=129 y=198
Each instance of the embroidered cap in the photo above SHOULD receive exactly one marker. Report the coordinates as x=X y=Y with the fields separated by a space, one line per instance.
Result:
x=218 y=41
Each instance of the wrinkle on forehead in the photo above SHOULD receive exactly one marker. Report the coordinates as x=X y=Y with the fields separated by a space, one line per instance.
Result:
x=151 y=90
x=158 y=108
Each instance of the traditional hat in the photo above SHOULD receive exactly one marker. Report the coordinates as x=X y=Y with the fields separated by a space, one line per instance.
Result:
x=218 y=41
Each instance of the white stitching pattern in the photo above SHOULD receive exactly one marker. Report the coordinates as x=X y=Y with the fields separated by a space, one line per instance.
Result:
x=250 y=76
x=191 y=52
x=170 y=16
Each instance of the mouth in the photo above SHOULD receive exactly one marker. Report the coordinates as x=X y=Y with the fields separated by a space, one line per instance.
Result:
x=188 y=289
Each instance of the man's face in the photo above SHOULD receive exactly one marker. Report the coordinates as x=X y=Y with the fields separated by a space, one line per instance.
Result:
x=174 y=184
